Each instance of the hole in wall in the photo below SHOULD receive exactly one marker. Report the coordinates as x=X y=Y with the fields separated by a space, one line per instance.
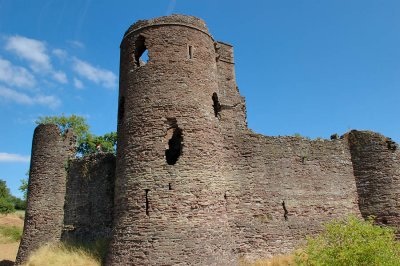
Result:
x=147 y=201
x=174 y=150
x=141 y=55
x=169 y=186
x=121 y=108
x=384 y=220
x=216 y=105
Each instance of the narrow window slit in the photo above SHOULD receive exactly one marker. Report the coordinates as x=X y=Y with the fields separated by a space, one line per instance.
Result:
x=216 y=105
x=147 y=202
x=190 y=52
x=169 y=186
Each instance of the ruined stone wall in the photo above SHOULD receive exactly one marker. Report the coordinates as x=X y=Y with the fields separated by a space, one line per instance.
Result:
x=376 y=163
x=284 y=188
x=232 y=107
x=46 y=188
x=169 y=211
x=89 y=199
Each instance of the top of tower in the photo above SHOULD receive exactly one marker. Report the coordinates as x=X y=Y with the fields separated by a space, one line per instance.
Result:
x=175 y=19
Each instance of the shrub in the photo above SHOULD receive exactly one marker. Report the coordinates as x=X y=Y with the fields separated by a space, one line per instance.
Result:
x=351 y=242
x=6 y=205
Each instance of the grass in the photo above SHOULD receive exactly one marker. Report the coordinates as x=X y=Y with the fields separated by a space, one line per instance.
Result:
x=62 y=254
x=9 y=234
x=283 y=260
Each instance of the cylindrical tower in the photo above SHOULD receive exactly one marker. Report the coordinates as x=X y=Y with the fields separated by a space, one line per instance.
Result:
x=376 y=164
x=46 y=189
x=169 y=193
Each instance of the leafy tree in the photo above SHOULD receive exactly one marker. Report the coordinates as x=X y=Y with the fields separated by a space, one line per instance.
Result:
x=24 y=187
x=87 y=142
x=6 y=199
x=352 y=242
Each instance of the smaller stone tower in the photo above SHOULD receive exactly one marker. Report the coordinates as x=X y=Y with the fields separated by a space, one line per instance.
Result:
x=376 y=164
x=47 y=179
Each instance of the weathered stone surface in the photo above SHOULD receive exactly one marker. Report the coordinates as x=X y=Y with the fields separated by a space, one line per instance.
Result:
x=89 y=199
x=193 y=185
x=47 y=177
x=376 y=163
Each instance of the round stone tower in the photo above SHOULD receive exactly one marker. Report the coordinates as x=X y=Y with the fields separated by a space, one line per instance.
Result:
x=170 y=189
x=46 y=188
x=376 y=164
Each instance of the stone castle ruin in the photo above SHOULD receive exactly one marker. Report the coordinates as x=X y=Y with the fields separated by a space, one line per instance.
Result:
x=191 y=184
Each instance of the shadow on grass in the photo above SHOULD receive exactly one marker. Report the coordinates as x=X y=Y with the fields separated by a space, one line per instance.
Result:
x=6 y=263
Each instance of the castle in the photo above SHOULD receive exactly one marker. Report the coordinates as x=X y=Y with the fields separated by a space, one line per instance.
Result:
x=191 y=184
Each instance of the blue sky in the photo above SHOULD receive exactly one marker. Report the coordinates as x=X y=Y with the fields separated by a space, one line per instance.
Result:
x=311 y=67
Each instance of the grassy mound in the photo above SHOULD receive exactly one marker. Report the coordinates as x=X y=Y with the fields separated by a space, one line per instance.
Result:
x=62 y=254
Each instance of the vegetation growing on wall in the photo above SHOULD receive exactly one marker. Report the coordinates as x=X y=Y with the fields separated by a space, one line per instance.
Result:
x=87 y=143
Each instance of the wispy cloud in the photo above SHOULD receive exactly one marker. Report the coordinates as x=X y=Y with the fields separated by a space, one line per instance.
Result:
x=76 y=44
x=36 y=54
x=78 y=84
x=60 y=54
x=60 y=77
x=171 y=7
x=97 y=75
x=34 y=51
x=13 y=158
x=25 y=99
x=15 y=75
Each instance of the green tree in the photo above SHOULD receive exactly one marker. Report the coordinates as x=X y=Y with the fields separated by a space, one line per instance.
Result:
x=24 y=187
x=87 y=142
x=352 y=241
x=7 y=204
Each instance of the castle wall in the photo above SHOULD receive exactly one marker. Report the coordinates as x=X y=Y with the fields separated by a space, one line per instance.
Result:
x=46 y=189
x=376 y=163
x=169 y=212
x=314 y=179
x=89 y=199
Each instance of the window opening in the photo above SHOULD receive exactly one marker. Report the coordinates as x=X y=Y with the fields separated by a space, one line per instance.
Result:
x=216 y=105
x=190 y=52
x=147 y=201
x=141 y=55
x=174 y=150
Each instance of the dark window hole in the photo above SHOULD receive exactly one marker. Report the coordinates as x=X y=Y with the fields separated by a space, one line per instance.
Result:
x=174 y=150
x=147 y=201
x=190 y=52
x=216 y=105
x=141 y=54
x=121 y=108
x=169 y=186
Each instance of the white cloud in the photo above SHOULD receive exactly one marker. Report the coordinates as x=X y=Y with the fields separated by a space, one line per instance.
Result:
x=60 y=77
x=22 y=98
x=100 y=76
x=15 y=75
x=13 y=158
x=34 y=51
x=78 y=84
x=60 y=53
x=36 y=54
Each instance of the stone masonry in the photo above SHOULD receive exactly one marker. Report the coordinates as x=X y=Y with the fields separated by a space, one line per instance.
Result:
x=190 y=183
